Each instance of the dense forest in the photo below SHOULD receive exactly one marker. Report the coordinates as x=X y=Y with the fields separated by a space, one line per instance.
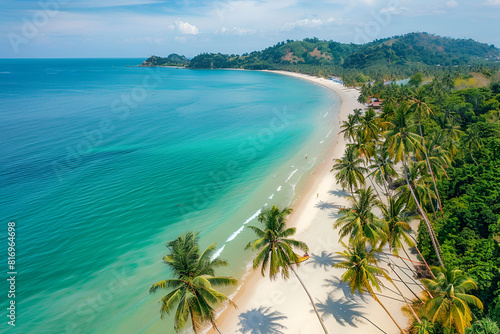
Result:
x=435 y=150
x=385 y=59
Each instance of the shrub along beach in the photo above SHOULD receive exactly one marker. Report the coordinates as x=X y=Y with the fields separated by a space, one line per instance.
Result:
x=398 y=230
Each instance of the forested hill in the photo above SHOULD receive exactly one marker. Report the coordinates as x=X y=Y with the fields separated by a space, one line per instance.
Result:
x=383 y=59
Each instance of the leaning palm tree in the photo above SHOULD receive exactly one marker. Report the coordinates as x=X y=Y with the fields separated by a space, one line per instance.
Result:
x=362 y=272
x=451 y=303
x=382 y=168
x=401 y=142
x=422 y=109
x=192 y=292
x=349 y=127
x=359 y=222
x=350 y=170
x=275 y=248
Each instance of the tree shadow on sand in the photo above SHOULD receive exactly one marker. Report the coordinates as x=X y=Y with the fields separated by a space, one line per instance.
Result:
x=338 y=284
x=339 y=193
x=344 y=311
x=261 y=321
x=322 y=205
x=325 y=260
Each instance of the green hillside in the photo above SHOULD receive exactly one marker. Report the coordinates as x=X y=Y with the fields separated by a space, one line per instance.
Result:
x=391 y=58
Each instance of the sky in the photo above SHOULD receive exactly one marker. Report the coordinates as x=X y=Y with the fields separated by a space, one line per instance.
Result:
x=140 y=28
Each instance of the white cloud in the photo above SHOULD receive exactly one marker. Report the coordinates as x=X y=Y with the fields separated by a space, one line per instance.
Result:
x=311 y=23
x=394 y=10
x=237 y=31
x=186 y=28
x=451 y=4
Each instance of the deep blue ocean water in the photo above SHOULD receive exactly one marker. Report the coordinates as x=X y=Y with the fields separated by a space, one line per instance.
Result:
x=101 y=164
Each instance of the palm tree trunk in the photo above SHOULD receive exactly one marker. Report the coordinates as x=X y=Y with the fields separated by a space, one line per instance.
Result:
x=373 y=185
x=387 y=311
x=310 y=298
x=473 y=157
x=430 y=170
x=422 y=257
x=404 y=298
x=416 y=296
x=429 y=226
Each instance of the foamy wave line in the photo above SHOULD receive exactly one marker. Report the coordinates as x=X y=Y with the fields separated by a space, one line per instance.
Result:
x=255 y=215
x=326 y=114
x=217 y=254
x=279 y=188
x=328 y=133
x=271 y=197
x=289 y=177
x=321 y=142
x=232 y=236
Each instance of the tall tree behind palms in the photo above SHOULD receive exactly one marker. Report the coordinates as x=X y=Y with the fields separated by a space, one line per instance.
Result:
x=382 y=168
x=401 y=141
x=275 y=248
x=451 y=303
x=362 y=272
x=472 y=140
x=422 y=109
x=192 y=294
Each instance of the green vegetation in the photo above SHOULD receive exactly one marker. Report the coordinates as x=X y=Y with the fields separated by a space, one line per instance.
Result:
x=387 y=59
x=448 y=145
x=172 y=60
x=192 y=294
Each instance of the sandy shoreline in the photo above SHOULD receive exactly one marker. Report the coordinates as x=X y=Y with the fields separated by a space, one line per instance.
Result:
x=315 y=211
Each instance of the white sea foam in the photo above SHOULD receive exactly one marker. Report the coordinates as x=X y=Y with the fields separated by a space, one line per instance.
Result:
x=326 y=114
x=279 y=188
x=328 y=133
x=271 y=197
x=255 y=215
x=232 y=236
x=295 y=171
x=321 y=142
x=217 y=254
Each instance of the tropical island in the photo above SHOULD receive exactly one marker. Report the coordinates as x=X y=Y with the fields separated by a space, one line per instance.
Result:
x=412 y=225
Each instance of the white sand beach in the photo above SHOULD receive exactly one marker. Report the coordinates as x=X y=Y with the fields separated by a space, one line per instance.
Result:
x=280 y=306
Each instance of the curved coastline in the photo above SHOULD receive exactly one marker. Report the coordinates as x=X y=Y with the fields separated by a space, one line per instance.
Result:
x=315 y=209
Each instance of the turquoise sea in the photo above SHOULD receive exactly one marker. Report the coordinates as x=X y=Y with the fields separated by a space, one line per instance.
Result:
x=102 y=163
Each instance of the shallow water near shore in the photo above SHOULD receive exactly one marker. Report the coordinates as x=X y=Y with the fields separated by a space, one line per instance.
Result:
x=103 y=163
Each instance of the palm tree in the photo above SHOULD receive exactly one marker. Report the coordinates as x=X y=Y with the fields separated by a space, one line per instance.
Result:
x=420 y=184
x=401 y=141
x=192 y=294
x=425 y=327
x=368 y=125
x=349 y=170
x=362 y=273
x=451 y=303
x=275 y=248
x=359 y=222
x=472 y=140
x=421 y=109
x=349 y=127
x=382 y=168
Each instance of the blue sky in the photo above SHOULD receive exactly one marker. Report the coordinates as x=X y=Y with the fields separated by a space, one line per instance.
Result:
x=140 y=28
